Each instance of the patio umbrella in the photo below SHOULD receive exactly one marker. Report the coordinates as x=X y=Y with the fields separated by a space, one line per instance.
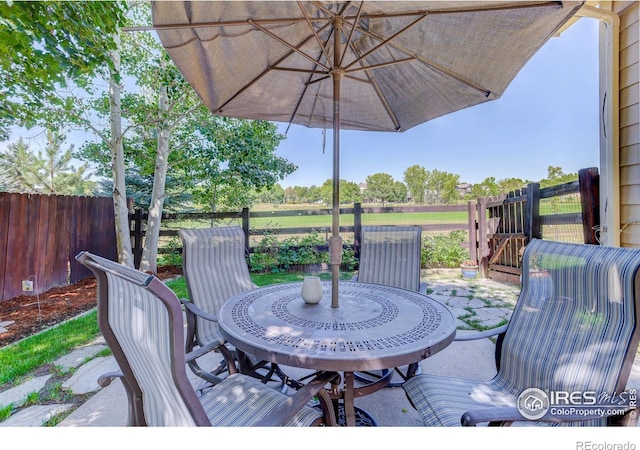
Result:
x=376 y=66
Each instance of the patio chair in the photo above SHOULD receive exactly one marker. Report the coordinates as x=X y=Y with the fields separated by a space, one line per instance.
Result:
x=574 y=329
x=390 y=255
x=215 y=270
x=142 y=322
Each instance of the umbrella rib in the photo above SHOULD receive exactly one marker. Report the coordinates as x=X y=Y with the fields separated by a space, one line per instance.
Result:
x=377 y=66
x=353 y=28
x=423 y=60
x=378 y=91
x=256 y=79
x=313 y=30
x=286 y=44
x=386 y=41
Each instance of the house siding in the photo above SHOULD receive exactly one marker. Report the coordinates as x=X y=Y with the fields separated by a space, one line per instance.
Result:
x=629 y=156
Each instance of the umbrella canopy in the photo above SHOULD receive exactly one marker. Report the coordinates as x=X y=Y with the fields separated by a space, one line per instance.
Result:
x=383 y=66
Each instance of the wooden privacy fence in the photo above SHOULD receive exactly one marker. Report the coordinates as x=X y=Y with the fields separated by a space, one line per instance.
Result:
x=41 y=234
x=500 y=227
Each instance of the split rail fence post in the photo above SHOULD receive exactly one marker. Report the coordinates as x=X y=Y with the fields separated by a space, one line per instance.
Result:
x=246 y=229
x=532 y=228
x=473 y=230
x=588 y=179
x=483 y=238
x=137 y=237
x=357 y=229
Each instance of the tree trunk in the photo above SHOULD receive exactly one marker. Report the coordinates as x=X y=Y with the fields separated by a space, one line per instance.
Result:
x=121 y=212
x=150 y=249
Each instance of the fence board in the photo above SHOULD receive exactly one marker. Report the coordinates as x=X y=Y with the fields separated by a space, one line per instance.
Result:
x=63 y=226
x=50 y=259
x=16 y=264
x=5 y=200
x=40 y=240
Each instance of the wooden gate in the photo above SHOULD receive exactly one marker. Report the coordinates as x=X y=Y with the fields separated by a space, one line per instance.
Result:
x=502 y=226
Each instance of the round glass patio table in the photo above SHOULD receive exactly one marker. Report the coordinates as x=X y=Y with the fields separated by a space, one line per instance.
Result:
x=375 y=327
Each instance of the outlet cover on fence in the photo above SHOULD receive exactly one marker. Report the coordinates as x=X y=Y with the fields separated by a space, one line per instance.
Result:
x=27 y=285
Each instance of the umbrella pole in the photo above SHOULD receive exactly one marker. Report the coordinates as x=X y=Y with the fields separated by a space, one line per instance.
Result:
x=335 y=246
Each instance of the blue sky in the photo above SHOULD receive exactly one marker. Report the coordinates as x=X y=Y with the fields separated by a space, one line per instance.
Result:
x=548 y=116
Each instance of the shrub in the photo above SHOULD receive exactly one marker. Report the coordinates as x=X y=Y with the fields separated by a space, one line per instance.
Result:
x=173 y=255
x=444 y=251
x=293 y=254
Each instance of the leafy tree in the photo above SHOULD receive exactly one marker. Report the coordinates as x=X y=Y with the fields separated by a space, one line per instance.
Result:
x=315 y=196
x=555 y=176
x=48 y=172
x=399 y=192
x=511 y=184
x=349 y=192
x=304 y=194
x=415 y=177
x=233 y=157
x=47 y=45
x=486 y=188
x=169 y=136
x=442 y=187
x=380 y=187
x=140 y=187
x=274 y=195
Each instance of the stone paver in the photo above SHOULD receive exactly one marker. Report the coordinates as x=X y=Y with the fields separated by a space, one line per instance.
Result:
x=18 y=394
x=5 y=324
x=85 y=380
x=79 y=356
x=35 y=416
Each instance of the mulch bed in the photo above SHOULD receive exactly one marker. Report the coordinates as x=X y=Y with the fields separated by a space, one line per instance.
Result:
x=31 y=313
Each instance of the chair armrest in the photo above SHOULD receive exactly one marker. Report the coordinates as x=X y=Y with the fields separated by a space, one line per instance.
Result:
x=354 y=278
x=423 y=288
x=190 y=307
x=201 y=351
x=481 y=334
x=301 y=398
x=508 y=414
x=105 y=379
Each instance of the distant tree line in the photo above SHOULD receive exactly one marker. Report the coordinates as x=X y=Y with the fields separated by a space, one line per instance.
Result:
x=419 y=186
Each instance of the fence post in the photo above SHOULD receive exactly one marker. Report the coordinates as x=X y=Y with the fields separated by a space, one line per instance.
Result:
x=246 y=229
x=483 y=243
x=357 y=229
x=137 y=237
x=532 y=227
x=473 y=230
x=588 y=179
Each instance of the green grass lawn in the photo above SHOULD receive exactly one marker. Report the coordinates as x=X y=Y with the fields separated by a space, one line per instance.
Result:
x=28 y=354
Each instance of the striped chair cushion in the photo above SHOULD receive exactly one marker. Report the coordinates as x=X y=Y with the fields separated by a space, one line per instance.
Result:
x=242 y=401
x=215 y=270
x=390 y=255
x=571 y=329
